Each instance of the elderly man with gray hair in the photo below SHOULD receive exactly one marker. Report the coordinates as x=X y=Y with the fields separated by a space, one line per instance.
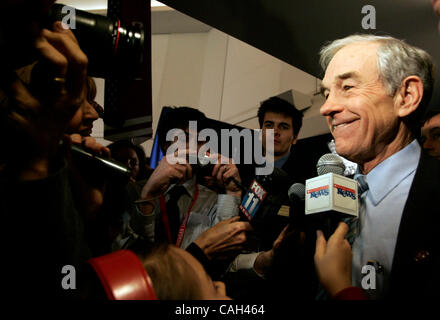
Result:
x=376 y=90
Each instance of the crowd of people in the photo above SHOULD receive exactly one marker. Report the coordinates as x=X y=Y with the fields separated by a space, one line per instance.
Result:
x=185 y=225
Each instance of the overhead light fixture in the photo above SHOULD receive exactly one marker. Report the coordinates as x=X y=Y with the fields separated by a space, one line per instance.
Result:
x=99 y=4
x=155 y=3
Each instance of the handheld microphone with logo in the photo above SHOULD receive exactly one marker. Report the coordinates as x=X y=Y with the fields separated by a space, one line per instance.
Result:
x=264 y=198
x=330 y=197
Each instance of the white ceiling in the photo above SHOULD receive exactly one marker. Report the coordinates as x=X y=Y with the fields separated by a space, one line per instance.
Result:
x=163 y=18
x=97 y=4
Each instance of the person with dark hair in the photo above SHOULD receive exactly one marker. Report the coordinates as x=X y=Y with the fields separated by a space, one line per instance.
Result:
x=145 y=170
x=179 y=118
x=176 y=205
x=131 y=155
x=430 y=133
x=286 y=121
x=125 y=152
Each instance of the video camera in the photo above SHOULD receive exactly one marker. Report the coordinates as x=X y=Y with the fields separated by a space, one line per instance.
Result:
x=200 y=168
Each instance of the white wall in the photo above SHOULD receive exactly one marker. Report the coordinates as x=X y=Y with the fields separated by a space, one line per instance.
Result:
x=223 y=77
x=98 y=125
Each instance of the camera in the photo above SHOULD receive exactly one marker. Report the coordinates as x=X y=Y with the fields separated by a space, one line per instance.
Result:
x=200 y=168
x=111 y=47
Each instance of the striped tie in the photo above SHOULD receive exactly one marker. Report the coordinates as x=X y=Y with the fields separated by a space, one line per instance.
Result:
x=353 y=223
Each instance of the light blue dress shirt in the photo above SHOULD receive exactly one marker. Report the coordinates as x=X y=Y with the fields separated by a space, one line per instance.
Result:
x=380 y=213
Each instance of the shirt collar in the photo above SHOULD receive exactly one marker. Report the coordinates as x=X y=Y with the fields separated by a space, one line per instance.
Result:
x=281 y=161
x=390 y=172
x=189 y=185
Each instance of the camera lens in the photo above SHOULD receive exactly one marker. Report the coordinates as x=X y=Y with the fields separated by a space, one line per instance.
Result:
x=128 y=46
x=112 y=48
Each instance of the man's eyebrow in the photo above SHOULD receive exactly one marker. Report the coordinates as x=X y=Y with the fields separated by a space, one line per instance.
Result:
x=347 y=75
x=434 y=130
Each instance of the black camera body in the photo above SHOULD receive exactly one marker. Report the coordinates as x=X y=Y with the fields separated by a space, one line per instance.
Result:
x=200 y=168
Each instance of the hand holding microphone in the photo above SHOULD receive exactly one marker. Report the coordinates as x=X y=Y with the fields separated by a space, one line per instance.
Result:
x=264 y=198
x=330 y=197
x=333 y=260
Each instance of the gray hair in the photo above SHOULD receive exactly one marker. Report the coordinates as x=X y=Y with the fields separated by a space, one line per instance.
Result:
x=396 y=60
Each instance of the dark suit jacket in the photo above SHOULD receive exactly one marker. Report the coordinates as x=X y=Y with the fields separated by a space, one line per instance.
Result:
x=416 y=264
x=301 y=164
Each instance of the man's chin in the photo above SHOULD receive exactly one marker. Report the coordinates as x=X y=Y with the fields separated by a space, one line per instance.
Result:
x=343 y=152
x=280 y=153
x=435 y=155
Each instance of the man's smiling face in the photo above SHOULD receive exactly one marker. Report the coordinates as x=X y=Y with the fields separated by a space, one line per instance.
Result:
x=359 y=111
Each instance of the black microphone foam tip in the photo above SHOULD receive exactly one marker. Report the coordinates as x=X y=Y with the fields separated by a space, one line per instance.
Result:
x=297 y=190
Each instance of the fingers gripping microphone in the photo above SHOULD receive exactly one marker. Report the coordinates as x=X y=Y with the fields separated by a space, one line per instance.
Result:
x=330 y=197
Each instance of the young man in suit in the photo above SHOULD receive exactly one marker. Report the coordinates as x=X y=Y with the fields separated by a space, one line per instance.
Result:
x=286 y=121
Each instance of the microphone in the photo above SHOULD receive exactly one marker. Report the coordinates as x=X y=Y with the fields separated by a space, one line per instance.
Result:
x=100 y=166
x=330 y=162
x=330 y=197
x=264 y=198
x=297 y=194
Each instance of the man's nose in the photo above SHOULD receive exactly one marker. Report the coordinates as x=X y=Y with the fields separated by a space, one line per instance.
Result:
x=331 y=106
x=90 y=112
x=428 y=144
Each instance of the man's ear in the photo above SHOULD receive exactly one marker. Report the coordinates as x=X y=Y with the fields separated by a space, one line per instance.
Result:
x=295 y=138
x=409 y=96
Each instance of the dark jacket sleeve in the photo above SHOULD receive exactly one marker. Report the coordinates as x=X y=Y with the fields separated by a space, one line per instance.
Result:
x=350 y=293
x=199 y=255
x=43 y=233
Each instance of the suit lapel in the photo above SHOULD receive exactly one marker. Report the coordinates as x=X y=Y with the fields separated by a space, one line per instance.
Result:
x=417 y=244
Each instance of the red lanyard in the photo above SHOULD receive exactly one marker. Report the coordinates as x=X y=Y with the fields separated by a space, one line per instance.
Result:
x=166 y=223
